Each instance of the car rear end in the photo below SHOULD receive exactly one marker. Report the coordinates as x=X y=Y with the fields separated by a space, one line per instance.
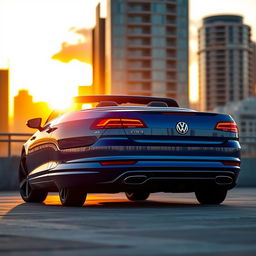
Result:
x=153 y=149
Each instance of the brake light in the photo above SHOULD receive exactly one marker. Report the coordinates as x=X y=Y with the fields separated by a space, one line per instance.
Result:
x=227 y=126
x=233 y=163
x=117 y=162
x=118 y=123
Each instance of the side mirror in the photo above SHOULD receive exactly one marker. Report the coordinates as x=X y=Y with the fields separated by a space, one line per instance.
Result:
x=35 y=123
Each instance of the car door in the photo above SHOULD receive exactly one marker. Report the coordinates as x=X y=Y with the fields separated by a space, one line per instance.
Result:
x=39 y=148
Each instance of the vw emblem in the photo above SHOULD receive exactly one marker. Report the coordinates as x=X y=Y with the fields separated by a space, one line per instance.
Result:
x=181 y=127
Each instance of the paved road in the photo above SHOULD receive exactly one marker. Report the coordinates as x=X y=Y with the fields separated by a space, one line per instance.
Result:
x=167 y=224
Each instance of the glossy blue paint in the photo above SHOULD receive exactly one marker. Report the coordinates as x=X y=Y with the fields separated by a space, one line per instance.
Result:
x=72 y=152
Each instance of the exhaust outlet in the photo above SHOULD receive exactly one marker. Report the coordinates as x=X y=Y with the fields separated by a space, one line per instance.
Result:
x=136 y=179
x=223 y=180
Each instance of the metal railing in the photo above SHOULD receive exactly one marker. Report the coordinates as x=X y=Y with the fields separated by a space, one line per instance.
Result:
x=248 y=142
x=8 y=138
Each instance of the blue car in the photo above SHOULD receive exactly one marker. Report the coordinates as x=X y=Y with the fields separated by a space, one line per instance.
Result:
x=133 y=144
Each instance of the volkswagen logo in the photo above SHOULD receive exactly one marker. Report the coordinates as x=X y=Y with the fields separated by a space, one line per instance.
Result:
x=181 y=127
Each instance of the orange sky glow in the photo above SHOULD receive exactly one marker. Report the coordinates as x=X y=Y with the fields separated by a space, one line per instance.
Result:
x=43 y=41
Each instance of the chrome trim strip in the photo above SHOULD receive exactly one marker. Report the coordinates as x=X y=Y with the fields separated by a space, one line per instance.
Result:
x=180 y=142
x=154 y=158
x=38 y=182
x=61 y=173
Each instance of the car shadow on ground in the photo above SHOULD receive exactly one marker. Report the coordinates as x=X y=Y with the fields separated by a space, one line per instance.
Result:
x=52 y=206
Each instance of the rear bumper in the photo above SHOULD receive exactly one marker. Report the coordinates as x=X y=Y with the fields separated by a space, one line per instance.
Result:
x=149 y=173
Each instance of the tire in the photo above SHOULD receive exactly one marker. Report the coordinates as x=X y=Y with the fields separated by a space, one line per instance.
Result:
x=211 y=196
x=28 y=194
x=137 y=196
x=72 y=197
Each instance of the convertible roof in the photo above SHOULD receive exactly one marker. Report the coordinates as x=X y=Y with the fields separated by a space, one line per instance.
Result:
x=124 y=99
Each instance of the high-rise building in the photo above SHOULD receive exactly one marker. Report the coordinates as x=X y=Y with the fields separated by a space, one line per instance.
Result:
x=146 y=48
x=4 y=100
x=225 y=58
x=98 y=54
x=254 y=67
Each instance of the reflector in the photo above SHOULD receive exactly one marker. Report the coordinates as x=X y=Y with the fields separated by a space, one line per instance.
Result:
x=125 y=162
x=233 y=163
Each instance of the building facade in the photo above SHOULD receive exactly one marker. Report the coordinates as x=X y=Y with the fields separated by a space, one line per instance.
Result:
x=4 y=100
x=146 y=48
x=98 y=54
x=225 y=61
x=254 y=67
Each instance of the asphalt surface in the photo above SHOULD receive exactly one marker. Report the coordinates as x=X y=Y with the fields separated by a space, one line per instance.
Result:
x=166 y=224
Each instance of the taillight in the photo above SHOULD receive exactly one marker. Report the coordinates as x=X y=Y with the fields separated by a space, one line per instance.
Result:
x=117 y=162
x=117 y=123
x=227 y=126
x=233 y=163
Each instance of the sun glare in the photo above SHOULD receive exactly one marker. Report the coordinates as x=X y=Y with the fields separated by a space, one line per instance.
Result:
x=86 y=106
x=64 y=82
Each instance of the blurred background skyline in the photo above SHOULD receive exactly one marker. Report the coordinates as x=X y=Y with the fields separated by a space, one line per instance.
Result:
x=47 y=44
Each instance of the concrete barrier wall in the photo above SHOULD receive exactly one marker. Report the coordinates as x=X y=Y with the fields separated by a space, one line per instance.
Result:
x=9 y=173
x=247 y=177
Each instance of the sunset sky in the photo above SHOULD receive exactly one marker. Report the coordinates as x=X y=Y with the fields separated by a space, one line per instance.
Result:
x=46 y=43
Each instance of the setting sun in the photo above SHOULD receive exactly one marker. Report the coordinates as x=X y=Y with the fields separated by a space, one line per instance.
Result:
x=64 y=82
x=50 y=56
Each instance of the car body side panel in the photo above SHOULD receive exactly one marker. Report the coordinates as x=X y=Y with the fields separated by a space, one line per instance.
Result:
x=38 y=148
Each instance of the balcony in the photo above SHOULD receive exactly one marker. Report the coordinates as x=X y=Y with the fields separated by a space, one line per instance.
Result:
x=171 y=43
x=136 y=65
x=139 y=42
x=135 y=76
x=171 y=54
x=138 y=7
x=171 y=76
x=141 y=53
x=171 y=87
x=170 y=20
x=171 y=64
x=171 y=8
x=139 y=19
x=140 y=86
x=139 y=31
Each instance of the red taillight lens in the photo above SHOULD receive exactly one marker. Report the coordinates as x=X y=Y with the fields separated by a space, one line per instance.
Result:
x=112 y=123
x=233 y=163
x=132 y=123
x=117 y=162
x=227 y=126
x=117 y=123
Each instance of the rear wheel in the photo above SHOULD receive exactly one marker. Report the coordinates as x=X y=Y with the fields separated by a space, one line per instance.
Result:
x=137 y=196
x=27 y=193
x=211 y=195
x=72 y=197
